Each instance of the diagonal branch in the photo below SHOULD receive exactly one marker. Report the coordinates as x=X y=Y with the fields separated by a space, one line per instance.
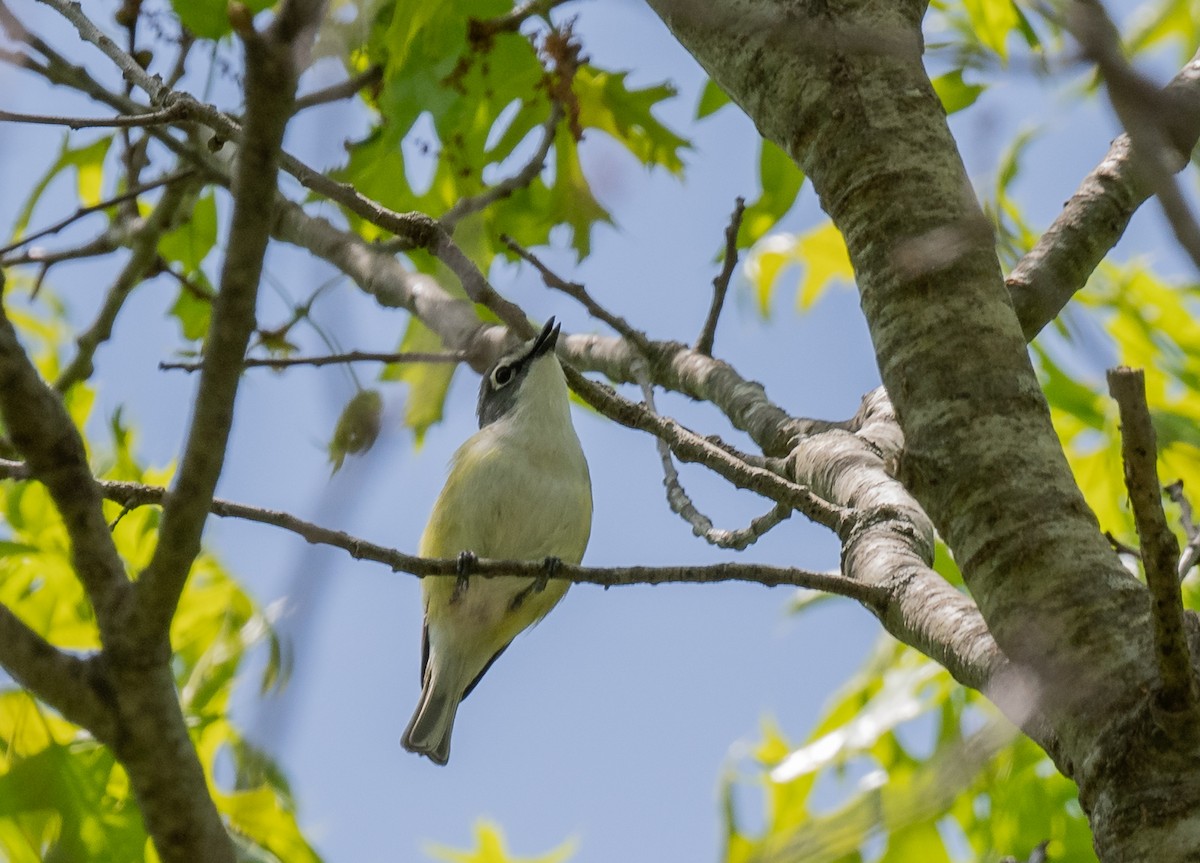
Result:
x=1160 y=553
x=704 y=344
x=74 y=687
x=1096 y=216
x=144 y=247
x=42 y=431
x=271 y=76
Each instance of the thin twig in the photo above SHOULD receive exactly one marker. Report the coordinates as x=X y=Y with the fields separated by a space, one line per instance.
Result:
x=102 y=245
x=704 y=344
x=151 y=118
x=271 y=60
x=132 y=495
x=331 y=359
x=1160 y=554
x=1191 y=551
x=580 y=294
x=142 y=261
x=681 y=504
x=103 y=205
x=1121 y=547
x=341 y=90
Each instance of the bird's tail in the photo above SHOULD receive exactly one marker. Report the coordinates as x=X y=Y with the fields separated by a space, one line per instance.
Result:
x=428 y=732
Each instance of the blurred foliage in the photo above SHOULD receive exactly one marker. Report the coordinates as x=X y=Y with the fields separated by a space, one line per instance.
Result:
x=357 y=427
x=904 y=765
x=62 y=795
x=490 y=848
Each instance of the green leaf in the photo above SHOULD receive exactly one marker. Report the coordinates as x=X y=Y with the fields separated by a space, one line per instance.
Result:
x=427 y=382
x=88 y=162
x=993 y=20
x=263 y=816
x=821 y=252
x=193 y=312
x=357 y=427
x=954 y=92
x=712 y=99
x=490 y=848
x=780 y=181
x=209 y=19
x=190 y=243
x=606 y=103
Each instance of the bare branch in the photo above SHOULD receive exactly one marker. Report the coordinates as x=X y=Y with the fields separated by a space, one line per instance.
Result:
x=72 y=686
x=132 y=495
x=341 y=90
x=580 y=294
x=332 y=359
x=42 y=431
x=150 y=118
x=1191 y=552
x=1097 y=214
x=704 y=344
x=105 y=243
x=102 y=205
x=271 y=75
x=681 y=504
x=144 y=245
x=1143 y=110
x=1160 y=554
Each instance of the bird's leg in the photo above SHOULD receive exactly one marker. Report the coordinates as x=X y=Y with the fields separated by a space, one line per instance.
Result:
x=466 y=562
x=549 y=567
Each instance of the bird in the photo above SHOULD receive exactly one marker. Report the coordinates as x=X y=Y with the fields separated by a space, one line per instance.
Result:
x=517 y=489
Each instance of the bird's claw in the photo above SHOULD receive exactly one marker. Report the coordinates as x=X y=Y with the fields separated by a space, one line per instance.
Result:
x=549 y=567
x=466 y=562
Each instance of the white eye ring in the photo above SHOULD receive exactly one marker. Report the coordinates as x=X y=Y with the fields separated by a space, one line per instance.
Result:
x=502 y=375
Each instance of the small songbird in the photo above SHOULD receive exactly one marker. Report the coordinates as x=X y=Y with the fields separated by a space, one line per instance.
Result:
x=518 y=489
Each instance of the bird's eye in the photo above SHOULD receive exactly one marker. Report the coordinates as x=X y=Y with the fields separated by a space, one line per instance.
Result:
x=502 y=375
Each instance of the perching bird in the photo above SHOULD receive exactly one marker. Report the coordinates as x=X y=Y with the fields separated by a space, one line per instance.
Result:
x=518 y=489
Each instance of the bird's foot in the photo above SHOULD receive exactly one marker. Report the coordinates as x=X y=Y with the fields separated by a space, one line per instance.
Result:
x=549 y=567
x=466 y=562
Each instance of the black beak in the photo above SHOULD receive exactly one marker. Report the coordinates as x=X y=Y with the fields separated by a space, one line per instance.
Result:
x=546 y=340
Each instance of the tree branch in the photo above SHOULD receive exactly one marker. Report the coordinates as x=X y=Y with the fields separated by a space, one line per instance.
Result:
x=95 y=208
x=341 y=90
x=332 y=359
x=72 y=686
x=150 y=118
x=704 y=344
x=1187 y=559
x=1143 y=111
x=132 y=495
x=271 y=75
x=44 y=434
x=1096 y=216
x=1160 y=553
x=144 y=247
x=681 y=504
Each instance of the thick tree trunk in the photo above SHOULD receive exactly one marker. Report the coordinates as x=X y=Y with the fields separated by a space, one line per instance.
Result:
x=841 y=87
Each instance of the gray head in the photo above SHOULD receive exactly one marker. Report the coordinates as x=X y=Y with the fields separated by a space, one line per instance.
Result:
x=500 y=386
